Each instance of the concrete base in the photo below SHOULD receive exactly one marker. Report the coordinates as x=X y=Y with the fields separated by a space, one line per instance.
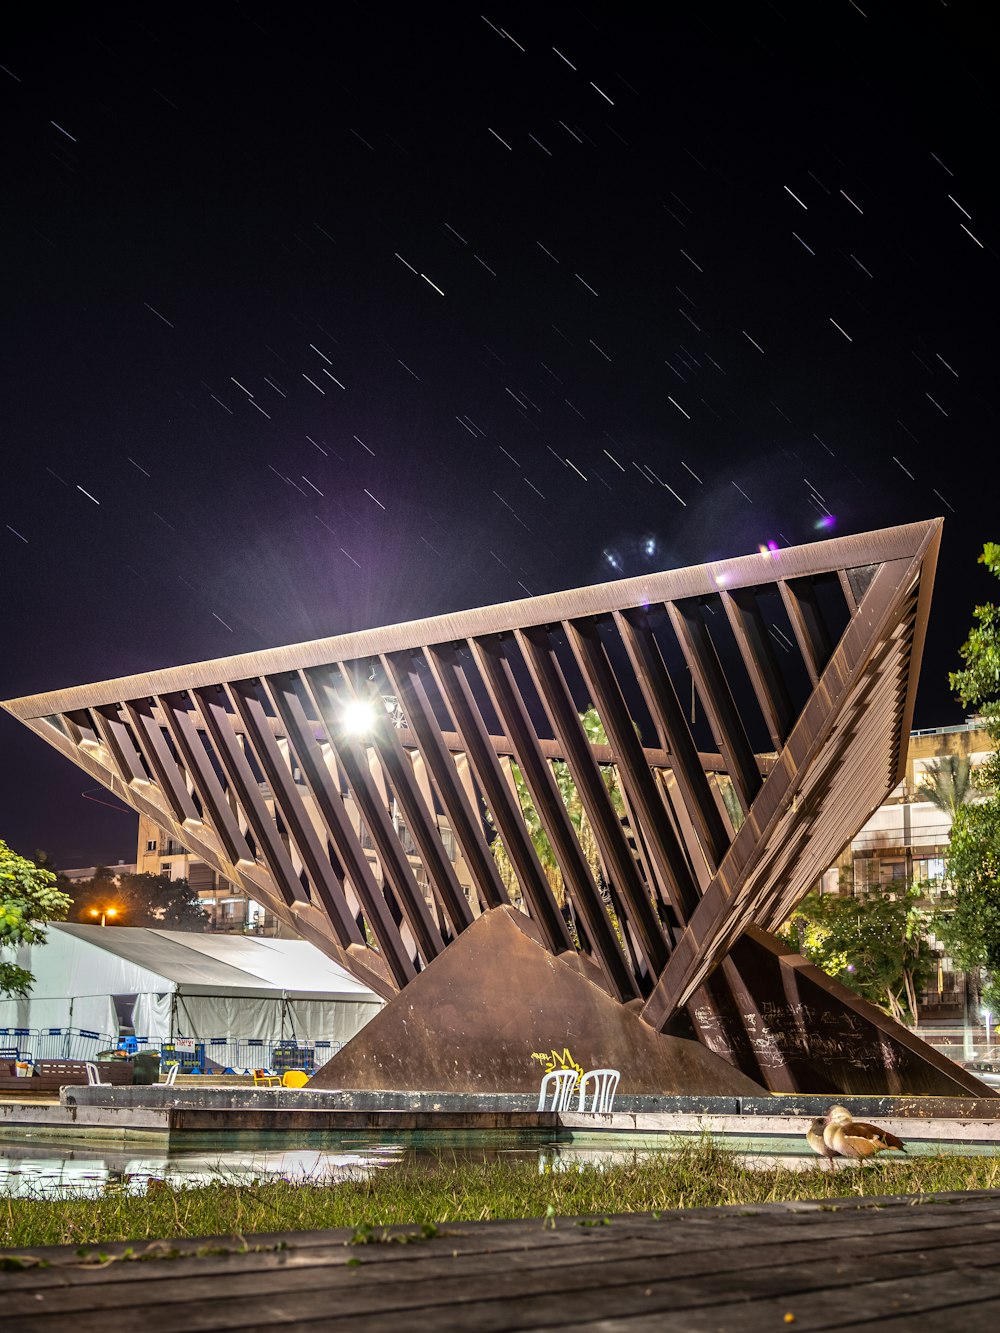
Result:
x=162 y=1115
x=495 y=1009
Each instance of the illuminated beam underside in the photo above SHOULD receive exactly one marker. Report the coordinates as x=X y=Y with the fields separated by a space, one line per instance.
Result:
x=756 y=712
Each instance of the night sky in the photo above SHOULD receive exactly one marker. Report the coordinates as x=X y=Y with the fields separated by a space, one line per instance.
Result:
x=323 y=317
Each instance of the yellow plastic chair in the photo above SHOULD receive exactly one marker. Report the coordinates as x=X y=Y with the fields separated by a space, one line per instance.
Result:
x=294 y=1078
x=264 y=1078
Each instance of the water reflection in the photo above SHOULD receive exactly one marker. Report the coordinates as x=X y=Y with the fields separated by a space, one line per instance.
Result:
x=56 y=1170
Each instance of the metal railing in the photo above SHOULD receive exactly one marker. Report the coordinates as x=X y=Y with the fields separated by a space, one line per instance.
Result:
x=202 y=1055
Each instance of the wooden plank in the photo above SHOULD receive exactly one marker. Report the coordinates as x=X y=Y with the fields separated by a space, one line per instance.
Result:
x=830 y=1294
x=551 y=810
x=543 y=664
x=420 y=819
x=284 y=696
x=212 y=710
x=404 y=679
x=352 y=755
x=634 y=1256
x=668 y=860
x=665 y=709
x=454 y=687
x=327 y=886
x=727 y=726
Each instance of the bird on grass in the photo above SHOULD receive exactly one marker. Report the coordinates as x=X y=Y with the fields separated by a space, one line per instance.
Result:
x=814 y=1137
x=838 y=1134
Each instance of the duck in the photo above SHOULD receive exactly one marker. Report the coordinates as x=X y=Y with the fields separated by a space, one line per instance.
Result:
x=847 y=1137
x=816 y=1141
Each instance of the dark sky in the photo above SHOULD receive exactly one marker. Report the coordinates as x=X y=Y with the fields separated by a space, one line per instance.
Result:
x=323 y=317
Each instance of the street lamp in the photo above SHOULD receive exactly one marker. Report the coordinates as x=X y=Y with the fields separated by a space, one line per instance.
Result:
x=104 y=913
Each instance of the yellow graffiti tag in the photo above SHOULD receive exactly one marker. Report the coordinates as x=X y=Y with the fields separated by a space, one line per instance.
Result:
x=552 y=1060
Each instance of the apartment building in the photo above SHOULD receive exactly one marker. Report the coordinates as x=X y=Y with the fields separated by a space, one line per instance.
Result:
x=905 y=842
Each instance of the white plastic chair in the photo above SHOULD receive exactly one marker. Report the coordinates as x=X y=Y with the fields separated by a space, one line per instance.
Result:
x=603 y=1095
x=558 y=1088
x=171 y=1078
x=94 y=1075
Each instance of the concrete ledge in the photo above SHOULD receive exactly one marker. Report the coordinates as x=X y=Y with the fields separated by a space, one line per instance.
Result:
x=913 y=1130
x=156 y=1112
x=801 y=1106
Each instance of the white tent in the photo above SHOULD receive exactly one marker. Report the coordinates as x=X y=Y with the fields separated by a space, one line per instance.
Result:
x=181 y=984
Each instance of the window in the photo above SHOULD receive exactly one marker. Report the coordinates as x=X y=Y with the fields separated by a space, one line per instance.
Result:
x=165 y=869
x=151 y=845
x=865 y=873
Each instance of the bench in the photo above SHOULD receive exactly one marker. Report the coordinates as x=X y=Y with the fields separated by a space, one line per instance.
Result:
x=51 y=1075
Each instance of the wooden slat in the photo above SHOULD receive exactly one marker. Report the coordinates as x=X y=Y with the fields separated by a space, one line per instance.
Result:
x=284 y=695
x=538 y=653
x=451 y=681
x=296 y=818
x=211 y=707
x=668 y=860
x=665 y=709
x=466 y=825
x=710 y=680
x=419 y=820
x=551 y=810
x=353 y=757
x=761 y=662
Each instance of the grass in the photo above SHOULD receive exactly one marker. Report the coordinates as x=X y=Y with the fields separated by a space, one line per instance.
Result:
x=693 y=1176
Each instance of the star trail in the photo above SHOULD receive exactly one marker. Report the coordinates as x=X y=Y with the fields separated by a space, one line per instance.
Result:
x=316 y=322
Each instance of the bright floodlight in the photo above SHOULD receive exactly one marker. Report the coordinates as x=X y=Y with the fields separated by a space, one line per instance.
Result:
x=359 y=718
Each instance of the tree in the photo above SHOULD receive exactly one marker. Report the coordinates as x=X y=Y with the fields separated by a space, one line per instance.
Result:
x=28 y=898
x=973 y=867
x=877 y=946
x=138 y=900
x=951 y=783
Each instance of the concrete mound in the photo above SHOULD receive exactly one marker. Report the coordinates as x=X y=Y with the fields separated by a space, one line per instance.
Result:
x=495 y=1007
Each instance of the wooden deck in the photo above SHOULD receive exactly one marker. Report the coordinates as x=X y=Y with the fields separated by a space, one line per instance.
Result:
x=891 y=1264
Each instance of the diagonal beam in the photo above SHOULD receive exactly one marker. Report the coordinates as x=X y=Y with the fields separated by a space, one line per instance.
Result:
x=716 y=697
x=212 y=709
x=539 y=654
x=702 y=944
x=760 y=660
x=551 y=810
x=352 y=755
x=328 y=887
x=404 y=679
x=663 y=849
x=420 y=821
x=661 y=699
x=454 y=687
x=284 y=695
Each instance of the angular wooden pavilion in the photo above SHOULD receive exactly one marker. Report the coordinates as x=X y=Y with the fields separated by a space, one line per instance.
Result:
x=755 y=713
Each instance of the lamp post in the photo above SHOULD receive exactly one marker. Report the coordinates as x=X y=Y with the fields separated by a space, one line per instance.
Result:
x=104 y=913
